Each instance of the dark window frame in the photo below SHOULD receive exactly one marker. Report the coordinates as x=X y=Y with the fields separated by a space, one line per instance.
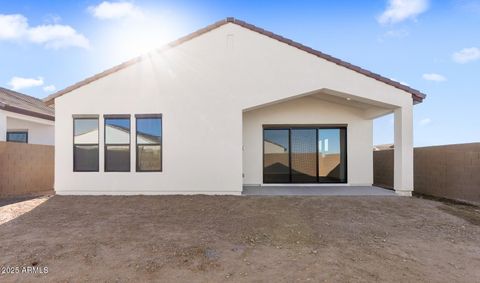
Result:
x=17 y=132
x=105 y=144
x=86 y=117
x=148 y=116
x=317 y=127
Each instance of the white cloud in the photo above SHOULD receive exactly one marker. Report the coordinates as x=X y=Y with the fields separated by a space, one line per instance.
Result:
x=49 y=88
x=115 y=10
x=425 y=121
x=434 y=77
x=400 y=10
x=12 y=26
x=15 y=27
x=18 y=83
x=466 y=55
x=57 y=36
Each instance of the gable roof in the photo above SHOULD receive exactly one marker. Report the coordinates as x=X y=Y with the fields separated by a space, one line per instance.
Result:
x=23 y=104
x=416 y=95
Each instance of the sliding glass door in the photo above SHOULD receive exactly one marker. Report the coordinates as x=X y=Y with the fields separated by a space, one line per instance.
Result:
x=304 y=154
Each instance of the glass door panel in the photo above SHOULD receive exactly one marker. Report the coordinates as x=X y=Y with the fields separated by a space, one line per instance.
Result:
x=276 y=160
x=304 y=155
x=331 y=155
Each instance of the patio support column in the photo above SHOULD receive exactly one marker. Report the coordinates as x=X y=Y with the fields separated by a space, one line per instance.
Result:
x=403 y=150
x=3 y=126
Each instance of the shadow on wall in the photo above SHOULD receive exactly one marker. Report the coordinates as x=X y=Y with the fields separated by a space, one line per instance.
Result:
x=448 y=171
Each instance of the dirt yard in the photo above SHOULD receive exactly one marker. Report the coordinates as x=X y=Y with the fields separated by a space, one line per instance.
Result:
x=262 y=239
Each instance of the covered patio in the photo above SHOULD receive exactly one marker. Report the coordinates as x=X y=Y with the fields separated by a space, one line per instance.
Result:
x=321 y=143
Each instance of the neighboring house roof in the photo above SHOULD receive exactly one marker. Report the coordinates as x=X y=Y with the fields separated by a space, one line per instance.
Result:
x=416 y=95
x=142 y=138
x=23 y=104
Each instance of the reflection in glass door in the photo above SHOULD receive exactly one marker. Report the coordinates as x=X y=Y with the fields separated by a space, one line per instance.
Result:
x=276 y=159
x=304 y=155
x=331 y=155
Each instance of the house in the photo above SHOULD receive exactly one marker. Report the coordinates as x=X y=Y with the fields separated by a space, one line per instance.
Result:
x=227 y=106
x=25 y=119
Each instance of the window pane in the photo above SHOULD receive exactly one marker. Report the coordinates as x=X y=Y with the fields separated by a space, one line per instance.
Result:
x=149 y=130
x=117 y=131
x=86 y=131
x=149 y=158
x=276 y=167
x=304 y=155
x=17 y=137
x=85 y=158
x=117 y=158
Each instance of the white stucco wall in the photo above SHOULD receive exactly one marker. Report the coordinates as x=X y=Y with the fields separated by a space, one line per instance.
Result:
x=310 y=110
x=202 y=88
x=39 y=131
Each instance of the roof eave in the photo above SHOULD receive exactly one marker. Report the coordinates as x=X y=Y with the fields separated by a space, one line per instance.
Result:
x=22 y=111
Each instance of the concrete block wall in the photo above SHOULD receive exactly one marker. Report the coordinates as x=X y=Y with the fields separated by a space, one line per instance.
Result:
x=449 y=171
x=26 y=169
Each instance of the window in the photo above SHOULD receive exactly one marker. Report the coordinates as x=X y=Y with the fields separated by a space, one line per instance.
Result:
x=117 y=143
x=149 y=142
x=304 y=154
x=85 y=144
x=17 y=136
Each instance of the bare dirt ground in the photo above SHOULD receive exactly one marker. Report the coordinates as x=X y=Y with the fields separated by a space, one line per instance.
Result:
x=227 y=238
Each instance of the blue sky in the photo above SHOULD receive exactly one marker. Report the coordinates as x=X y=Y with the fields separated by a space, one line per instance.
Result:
x=433 y=46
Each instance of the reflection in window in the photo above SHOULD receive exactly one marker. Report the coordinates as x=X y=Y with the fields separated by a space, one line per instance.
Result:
x=85 y=144
x=332 y=155
x=149 y=142
x=276 y=165
x=117 y=144
x=17 y=136
x=304 y=155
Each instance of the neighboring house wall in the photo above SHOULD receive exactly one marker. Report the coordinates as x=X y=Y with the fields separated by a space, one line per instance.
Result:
x=26 y=169
x=202 y=88
x=40 y=131
x=309 y=110
x=448 y=171
x=37 y=133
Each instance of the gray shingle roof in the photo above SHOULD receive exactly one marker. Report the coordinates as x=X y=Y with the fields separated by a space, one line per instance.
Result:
x=24 y=104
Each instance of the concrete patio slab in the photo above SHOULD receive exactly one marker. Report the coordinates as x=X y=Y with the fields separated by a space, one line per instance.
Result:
x=316 y=191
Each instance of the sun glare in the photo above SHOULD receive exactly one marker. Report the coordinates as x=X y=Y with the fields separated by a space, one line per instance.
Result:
x=135 y=38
